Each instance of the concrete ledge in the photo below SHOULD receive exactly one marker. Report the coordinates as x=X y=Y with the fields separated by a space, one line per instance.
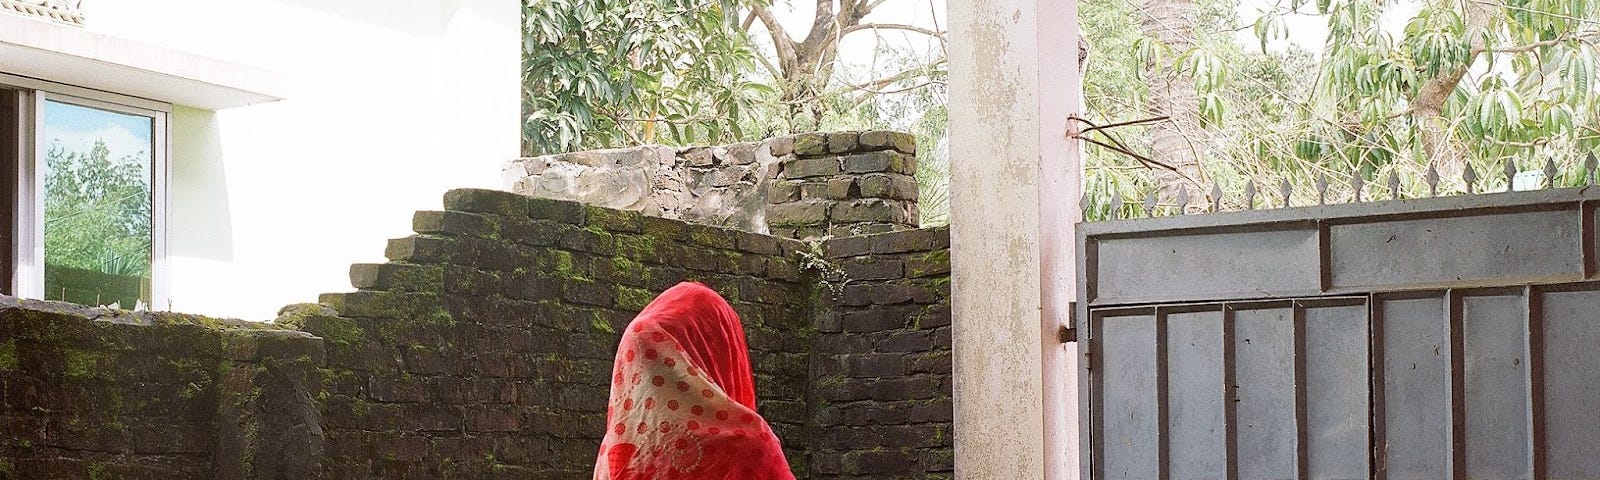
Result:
x=62 y=54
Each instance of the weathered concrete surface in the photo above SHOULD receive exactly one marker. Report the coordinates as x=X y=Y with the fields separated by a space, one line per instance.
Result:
x=805 y=186
x=1013 y=200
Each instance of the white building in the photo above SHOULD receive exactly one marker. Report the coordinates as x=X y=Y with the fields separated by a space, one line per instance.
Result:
x=287 y=138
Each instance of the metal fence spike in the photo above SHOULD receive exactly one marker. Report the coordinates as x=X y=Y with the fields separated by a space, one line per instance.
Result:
x=1322 y=189
x=1150 y=204
x=1116 y=205
x=1357 y=183
x=1470 y=176
x=1511 y=174
x=1550 y=173
x=1216 y=198
x=1183 y=199
x=1250 y=195
x=1287 y=190
x=1589 y=164
x=1394 y=185
x=1433 y=179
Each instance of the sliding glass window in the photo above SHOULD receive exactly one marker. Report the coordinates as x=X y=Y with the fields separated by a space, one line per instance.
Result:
x=89 y=226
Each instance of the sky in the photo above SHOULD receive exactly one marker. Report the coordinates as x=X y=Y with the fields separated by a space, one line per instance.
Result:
x=76 y=128
x=1308 y=32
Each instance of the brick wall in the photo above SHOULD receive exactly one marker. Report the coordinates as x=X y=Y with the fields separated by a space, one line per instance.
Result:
x=482 y=349
x=881 y=374
x=91 y=393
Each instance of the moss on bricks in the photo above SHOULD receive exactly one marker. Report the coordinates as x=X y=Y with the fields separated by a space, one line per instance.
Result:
x=8 y=356
x=486 y=201
x=423 y=307
x=630 y=268
x=563 y=263
x=629 y=298
x=665 y=228
x=936 y=262
x=335 y=330
x=457 y=223
x=615 y=220
x=636 y=246
x=80 y=365
x=397 y=276
x=563 y=211
x=599 y=324
x=97 y=471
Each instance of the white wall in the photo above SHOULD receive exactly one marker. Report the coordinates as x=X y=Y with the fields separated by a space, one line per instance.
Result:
x=390 y=104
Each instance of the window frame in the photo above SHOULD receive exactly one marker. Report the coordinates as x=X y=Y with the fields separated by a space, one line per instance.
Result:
x=28 y=242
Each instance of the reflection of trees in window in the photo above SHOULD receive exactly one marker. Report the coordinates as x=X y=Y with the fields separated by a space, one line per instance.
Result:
x=98 y=211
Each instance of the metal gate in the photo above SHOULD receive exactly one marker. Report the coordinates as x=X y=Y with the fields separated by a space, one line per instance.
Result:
x=1454 y=337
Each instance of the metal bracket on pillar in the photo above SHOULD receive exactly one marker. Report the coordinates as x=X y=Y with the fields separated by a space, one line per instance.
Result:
x=1069 y=333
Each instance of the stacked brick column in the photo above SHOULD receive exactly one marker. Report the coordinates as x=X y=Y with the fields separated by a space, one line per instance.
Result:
x=843 y=183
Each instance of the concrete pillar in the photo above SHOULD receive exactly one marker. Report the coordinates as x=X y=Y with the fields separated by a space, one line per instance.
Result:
x=1014 y=199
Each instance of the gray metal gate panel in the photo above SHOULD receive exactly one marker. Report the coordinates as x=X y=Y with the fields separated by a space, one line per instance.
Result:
x=1494 y=385
x=1131 y=411
x=1196 y=416
x=1335 y=384
x=1418 y=339
x=1264 y=392
x=1411 y=352
x=1571 y=369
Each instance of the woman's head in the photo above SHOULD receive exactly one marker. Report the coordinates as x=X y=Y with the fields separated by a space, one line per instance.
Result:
x=682 y=400
x=710 y=333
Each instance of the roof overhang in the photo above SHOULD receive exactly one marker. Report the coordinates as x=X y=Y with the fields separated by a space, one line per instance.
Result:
x=73 y=56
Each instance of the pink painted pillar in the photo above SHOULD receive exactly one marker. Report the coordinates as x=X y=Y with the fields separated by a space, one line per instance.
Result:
x=1060 y=191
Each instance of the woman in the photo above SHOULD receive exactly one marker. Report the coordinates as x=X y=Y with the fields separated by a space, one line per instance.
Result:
x=683 y=402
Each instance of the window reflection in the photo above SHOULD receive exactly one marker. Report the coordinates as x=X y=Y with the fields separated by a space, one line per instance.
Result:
x=98 y=205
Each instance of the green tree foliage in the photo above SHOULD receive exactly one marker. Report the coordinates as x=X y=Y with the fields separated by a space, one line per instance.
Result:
x=605 y=73
x=97 y=211
x=611 y=73
x=1466 y=81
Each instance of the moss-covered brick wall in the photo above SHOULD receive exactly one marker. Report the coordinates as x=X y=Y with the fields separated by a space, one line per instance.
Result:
x=483 y=348
x=93 y=393
x=881 y=372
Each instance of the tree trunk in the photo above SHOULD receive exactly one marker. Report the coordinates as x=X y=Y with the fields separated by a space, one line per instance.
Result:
x=1172 y=94
x=1427 y=107
x=806 y=66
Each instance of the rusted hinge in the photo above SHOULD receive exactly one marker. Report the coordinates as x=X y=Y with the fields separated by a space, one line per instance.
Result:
x=1069 y=333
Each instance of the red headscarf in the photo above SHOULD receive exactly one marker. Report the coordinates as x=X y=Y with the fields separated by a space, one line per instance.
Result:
x=682 y=397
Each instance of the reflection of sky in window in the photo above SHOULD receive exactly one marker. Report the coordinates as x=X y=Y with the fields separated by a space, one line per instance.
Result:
x=75 y=129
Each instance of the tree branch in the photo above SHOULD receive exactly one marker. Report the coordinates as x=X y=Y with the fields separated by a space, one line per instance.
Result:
x=892 y=26
x=748 y=20
x=1538 y=45
x=878 y=84
x=781 y=41
x=878 y=26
